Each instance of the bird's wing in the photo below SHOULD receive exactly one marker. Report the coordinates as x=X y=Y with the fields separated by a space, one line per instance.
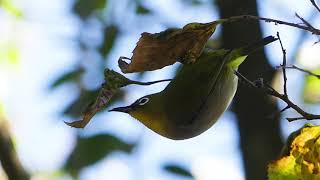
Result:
x=187 y=93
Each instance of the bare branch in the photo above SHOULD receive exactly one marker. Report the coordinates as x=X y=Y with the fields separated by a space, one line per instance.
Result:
x=150 y=83
x=305 y=22
x=284 y=109
x=250 y=17
x=284 y=64
x=269 y=90
x=302 y=70
x=315 y=5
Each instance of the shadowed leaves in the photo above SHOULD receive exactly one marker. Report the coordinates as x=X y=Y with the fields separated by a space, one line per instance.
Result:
x=89 y=150
x=68 y=77
x=177 y=170
x=110 y=35
x=84 y=8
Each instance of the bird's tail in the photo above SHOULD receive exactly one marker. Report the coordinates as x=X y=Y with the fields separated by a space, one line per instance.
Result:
x=257 y=45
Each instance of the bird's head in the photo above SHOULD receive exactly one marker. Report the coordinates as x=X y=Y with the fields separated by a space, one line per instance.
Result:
x=148 y=110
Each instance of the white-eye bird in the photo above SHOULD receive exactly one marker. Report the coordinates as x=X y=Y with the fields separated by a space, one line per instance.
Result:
x=195 y=99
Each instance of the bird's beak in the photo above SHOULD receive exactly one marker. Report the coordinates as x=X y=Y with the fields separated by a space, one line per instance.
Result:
x=125 y=109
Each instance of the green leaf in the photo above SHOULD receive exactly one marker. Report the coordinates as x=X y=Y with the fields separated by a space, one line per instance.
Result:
x=70 y=76
x=85 y=8
x=141 y=9
x=177 y=170
x=110 y=36
x=90 y=150
x=311 y=90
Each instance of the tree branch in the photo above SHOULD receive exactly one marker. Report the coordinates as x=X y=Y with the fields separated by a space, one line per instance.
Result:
x=302 y=70
x=8 y=156
x=315 y=5
x=250 y=17
x=284 y=97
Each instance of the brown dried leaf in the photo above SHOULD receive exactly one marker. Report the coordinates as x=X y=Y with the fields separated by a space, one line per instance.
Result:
x=114 y=82
x=155 y=51
x=102 y=100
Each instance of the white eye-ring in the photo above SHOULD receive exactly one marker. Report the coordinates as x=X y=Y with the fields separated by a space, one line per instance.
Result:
x=143 y=101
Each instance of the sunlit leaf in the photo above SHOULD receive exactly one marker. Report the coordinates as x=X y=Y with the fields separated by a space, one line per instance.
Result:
x=177 y=170
x=110 y=34
x=311 y=90
x=114 y=81
x=155 y=51
x=300 y=158
x=90 y=150
x=85 y=8
x=68 y=77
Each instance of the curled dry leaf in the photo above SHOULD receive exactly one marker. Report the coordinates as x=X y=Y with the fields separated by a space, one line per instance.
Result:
x=114 y=81
x=101 y=101
x=155 y=51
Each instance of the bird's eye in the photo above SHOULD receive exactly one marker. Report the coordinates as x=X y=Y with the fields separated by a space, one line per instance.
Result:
x=143 y=101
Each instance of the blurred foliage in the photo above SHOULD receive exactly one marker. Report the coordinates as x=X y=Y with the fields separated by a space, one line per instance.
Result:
x=177 y=170
x=141 y=9
x=68 y=77
x=110 y=34
x=311 y=91
x=193 y=2
x=90 y=150
x=85 y=8
x=11 y=8
x=300 y=157
x=9 y=54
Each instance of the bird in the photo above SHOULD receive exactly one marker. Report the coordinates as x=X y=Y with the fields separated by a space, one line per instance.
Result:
x=197 y=96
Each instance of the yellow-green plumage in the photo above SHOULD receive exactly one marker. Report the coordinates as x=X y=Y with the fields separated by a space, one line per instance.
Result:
x=195 y=99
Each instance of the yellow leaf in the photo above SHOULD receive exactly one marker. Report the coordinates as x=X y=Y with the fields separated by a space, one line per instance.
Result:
x=301 y=159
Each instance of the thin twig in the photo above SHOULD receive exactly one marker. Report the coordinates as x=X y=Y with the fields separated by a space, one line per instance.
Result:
x=149 y=83
x=275 y=114
x=250 y=17
x=284 y=64
x=302 y=70
x=284 y=109
x=305 y=22
x=269 y=90
x=315 y=5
